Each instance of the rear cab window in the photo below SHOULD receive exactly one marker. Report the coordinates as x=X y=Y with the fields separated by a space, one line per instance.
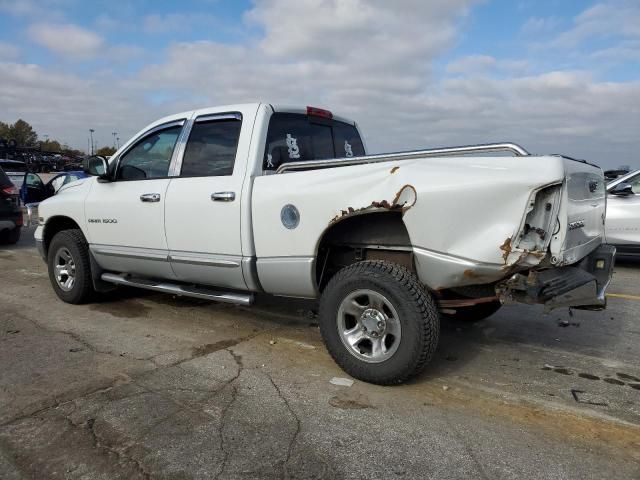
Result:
x=296 y=137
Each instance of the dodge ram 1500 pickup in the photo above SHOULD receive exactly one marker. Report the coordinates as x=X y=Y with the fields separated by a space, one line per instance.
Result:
x=227 y=202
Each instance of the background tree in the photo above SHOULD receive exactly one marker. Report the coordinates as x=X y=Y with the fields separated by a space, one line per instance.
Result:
x=23 y=134
x=4 y=131
x=106 y=151
x=51 y=146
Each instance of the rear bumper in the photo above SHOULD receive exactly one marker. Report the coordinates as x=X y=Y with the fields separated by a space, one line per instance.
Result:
x=581 y=286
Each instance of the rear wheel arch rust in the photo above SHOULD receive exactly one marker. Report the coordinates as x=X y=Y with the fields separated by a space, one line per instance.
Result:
x=357 y=231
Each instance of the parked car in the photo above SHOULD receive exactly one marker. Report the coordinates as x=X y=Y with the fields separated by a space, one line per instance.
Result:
x=623 y=214
x=224 y=202
x=15 y=170
x=10 y=210
x=33 y=190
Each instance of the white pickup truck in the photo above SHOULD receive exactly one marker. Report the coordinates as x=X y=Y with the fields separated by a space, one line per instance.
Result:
x=226 y=202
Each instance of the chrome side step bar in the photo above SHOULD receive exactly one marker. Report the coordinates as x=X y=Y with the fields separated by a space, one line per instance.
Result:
x=181 y=290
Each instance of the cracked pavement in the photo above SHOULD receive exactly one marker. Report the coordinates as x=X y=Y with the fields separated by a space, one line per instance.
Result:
x=147 y=386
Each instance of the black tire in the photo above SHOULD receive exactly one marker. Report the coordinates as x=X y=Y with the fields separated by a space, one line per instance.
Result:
x=10 y=237
x=14 y=236
x=474 y=313
x=75 y=244
x=417 y=315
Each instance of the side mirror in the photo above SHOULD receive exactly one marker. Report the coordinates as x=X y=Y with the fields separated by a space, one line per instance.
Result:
x=622 y=189
x=96 y=166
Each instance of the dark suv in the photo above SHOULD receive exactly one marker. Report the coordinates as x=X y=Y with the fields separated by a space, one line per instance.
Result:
x=10 y=211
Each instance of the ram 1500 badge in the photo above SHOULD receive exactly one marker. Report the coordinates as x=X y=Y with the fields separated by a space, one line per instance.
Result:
x=226 y=202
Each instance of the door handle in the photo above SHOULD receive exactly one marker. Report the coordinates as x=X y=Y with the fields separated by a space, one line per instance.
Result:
x=150 y=197
x=223 y=196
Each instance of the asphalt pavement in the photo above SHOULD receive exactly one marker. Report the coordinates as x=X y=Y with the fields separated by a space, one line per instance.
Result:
x=146 y=385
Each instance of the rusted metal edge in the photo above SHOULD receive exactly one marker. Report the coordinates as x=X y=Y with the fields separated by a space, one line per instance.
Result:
x=383 y=205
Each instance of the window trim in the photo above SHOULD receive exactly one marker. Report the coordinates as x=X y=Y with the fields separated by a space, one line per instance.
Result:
x=134 y=143
x=176 y=171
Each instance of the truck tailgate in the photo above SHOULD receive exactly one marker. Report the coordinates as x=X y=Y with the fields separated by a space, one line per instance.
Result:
x=580 y=227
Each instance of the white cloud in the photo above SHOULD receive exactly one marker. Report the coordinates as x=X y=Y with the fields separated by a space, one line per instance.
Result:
x=65 y=105
x=472 y=64
x=368 y=60
x=8 y=51
x=35 y=9
x=616 y=19
x=67 y=40
x=540 y=25
x=176 y=22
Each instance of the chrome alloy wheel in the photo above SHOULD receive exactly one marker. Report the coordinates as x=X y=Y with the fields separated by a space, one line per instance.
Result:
x=369 y=326
x=65 y=269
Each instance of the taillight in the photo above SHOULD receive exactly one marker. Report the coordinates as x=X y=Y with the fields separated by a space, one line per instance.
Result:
x=10 y=190
x=319 y=112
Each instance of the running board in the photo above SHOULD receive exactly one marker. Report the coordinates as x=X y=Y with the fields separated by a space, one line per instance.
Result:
x=181 y=290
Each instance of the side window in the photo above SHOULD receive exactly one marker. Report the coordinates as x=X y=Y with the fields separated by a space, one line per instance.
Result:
x=347 y=141
x=33 y=180
x=635 y=184
x=211 y=149
x=150 y=157
x=57 y=182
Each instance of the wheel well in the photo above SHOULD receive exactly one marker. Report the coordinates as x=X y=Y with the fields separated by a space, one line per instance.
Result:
x=370 y=236
x=55 y=225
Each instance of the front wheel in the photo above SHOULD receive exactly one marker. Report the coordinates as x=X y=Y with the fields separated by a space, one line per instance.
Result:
x=69 y=266
x=378 y=322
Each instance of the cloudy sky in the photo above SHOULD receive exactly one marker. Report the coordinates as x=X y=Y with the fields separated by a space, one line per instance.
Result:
x=557 y=76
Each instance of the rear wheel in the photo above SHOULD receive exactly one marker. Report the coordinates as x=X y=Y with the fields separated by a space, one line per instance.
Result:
x=69 y=266
x=378 y=322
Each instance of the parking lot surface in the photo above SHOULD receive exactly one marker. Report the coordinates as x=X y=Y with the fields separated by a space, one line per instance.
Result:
x=146 y=385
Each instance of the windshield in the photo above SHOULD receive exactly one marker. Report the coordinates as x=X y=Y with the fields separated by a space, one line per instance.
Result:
x=295 y=137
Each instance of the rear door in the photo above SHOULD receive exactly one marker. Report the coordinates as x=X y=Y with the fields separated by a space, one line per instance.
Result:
x=203 y=204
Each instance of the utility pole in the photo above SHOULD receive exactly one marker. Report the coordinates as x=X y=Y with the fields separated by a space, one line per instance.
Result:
x=115 y=134
x=91 y=130
x=117 y=142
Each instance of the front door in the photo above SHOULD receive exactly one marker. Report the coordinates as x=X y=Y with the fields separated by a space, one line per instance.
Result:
x=125 y=217
x=32 y=189
x=203 y=204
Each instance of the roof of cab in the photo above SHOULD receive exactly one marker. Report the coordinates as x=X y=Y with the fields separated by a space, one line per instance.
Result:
x=244 y=106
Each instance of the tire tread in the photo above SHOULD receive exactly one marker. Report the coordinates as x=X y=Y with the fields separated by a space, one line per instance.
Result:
x=83 y=281
x=422 y=304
